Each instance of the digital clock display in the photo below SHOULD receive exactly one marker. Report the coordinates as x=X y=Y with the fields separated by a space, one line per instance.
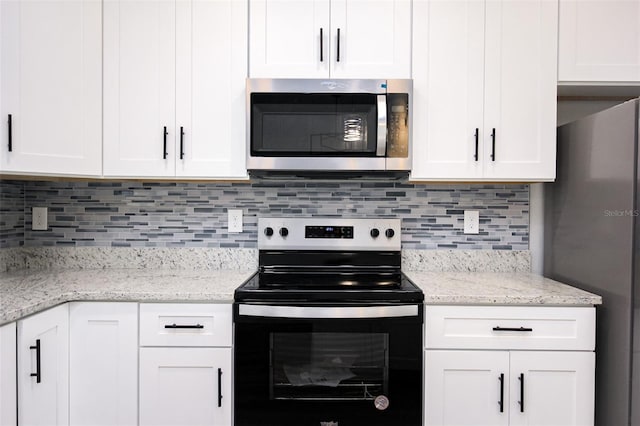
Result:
x=328 y=232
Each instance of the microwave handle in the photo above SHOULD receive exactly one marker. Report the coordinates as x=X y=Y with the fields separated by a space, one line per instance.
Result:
x=381 y=147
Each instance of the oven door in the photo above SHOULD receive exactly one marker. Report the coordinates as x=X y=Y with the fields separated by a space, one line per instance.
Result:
x=316 y=365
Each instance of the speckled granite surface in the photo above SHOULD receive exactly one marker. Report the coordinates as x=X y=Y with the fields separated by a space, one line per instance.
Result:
x=467 y=260
x=26 y=292
x=39 y=258
x=497 y=288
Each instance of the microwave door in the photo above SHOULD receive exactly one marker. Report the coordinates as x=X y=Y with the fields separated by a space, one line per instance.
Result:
x=317 y=125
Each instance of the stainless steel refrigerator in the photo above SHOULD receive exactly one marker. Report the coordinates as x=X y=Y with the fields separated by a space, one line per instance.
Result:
x=592 y=241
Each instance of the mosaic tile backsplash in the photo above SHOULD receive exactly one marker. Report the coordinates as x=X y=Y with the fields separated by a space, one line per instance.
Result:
x=167 y=214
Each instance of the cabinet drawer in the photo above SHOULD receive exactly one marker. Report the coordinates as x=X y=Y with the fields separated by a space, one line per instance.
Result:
x=504 y=327
x=166 y=324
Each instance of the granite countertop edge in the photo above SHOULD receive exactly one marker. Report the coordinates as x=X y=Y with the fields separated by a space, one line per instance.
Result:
x=27 y=292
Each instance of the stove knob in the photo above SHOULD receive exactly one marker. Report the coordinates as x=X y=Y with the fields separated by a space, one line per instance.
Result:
x=389 y=233
x=284 y=232
x=374 y=233
x=268 y=231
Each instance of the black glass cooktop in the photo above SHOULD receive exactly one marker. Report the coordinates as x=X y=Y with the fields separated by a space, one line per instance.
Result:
x=336 y=288
x=329 y=277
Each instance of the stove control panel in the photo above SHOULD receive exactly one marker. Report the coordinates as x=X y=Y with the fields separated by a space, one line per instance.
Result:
x=317 y=233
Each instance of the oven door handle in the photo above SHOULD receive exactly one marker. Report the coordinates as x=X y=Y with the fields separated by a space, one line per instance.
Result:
x=331 y=312
x=381 y=147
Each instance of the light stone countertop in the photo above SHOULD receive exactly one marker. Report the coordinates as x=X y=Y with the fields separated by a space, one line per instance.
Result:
x=498 y=288
x=26 y=292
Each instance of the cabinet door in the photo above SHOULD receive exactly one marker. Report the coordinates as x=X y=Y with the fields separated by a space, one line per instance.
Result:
x=43 y=388
x=185 y=386
x=599 y=41
x=8 y=364
x=465 y=388
x=211 y=70
x=139 y=88
x=552 y=388
x=374 y=40
x=289 y=39
x=448 y=45
x=103 y=362
x=51 y=87
x=520 y=89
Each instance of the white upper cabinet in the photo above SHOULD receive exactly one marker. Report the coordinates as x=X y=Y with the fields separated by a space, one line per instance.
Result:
x=175 y=88
x=520 y=89
x=139 y=88
x=484 y=105
x=599 y=41
x=51 y=87
x=330 y=38
x=211 y=71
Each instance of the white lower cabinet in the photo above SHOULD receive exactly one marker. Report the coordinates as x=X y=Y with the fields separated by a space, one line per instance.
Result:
x=185 y=364
x=185 y=386
x=103 y=358
x=43 y=368
x=8 y=385
x=552 y=388
x=516 y=388
x=498 y=366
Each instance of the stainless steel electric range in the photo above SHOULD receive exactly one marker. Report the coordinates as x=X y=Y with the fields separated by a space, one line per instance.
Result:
x=329 y=330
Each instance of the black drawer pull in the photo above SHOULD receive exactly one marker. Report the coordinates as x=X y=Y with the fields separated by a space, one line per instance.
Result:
x=521 y=402
x=181 y=143
x=184 y=326
x=512 y=329
x=38 y=373
x=321 y=45
x=219 y=387
x=9 y=125
x=164 y=143
x=501 y=402
x=338 y=47
x=475 y=156
x=493 y=144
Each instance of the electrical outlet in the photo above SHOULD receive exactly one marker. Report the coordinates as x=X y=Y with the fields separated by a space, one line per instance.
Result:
x=234 y=221
x=39 y=219
x=471 y=222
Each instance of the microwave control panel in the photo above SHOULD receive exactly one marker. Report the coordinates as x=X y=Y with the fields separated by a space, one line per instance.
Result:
x=397 y=125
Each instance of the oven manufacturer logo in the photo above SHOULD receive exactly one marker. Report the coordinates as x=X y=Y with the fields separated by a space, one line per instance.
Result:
x=328 y=423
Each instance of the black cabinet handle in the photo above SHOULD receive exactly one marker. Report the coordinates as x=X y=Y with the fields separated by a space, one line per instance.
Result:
x=521 y=402
x=38 y=373
x=501 y=402
x=164 y=146
x=512 y=329
x=181 y=142
x=219 y=387
x=10 y=133
x=321 y=45
x=184 y=326
x=493 y=144
x=338 y=47
x=475 y=156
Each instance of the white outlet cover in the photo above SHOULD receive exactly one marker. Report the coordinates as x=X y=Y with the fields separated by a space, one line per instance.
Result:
x=234 y=224
x=471 y=222
x=39 y=219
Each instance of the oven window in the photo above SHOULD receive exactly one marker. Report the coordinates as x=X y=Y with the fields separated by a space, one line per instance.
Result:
x=294 y=124
x=329 y=366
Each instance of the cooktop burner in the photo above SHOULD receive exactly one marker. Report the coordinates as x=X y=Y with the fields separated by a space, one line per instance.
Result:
x=320 y=260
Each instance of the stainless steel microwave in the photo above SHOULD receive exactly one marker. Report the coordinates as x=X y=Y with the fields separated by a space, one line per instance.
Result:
x=328 y=125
